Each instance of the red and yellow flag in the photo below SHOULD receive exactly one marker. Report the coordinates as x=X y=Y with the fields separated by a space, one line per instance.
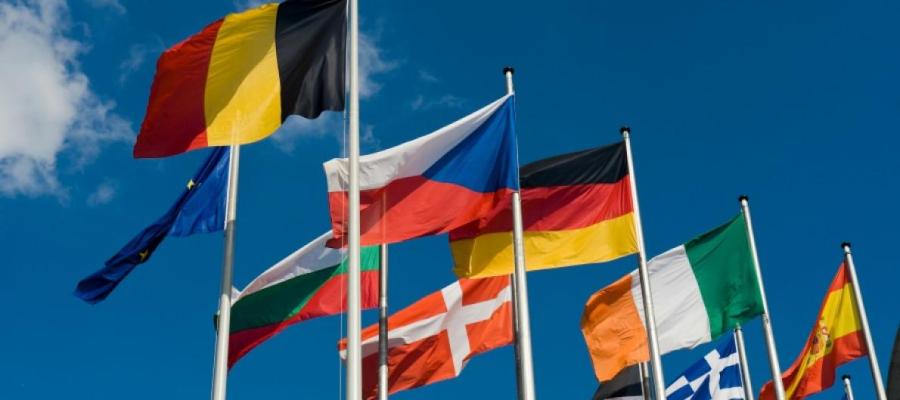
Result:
x=837 y=338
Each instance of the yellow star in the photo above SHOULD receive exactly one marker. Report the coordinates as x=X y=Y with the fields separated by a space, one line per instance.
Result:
x=144 y=254
x=191 y=184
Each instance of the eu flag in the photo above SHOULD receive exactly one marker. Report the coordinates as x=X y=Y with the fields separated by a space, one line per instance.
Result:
x=199 y=209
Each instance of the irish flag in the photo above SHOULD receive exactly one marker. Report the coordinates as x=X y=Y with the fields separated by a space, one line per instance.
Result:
x=307 y=284
x=700 y=290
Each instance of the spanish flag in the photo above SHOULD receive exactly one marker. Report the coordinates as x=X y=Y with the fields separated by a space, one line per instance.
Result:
x=836 y=338
x=576 y=209
x=237 y=80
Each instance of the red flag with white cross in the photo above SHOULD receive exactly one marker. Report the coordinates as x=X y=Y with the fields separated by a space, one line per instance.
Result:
x=433 y=339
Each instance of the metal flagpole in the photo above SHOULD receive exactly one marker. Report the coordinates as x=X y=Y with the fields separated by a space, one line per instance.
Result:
x=766 y=320
x=848 y=390
x=520 y=307
x=383 y=324
x=659 y=389
x=745 y=368
x=645 y=381
x=354 y=317
x=220 y=366
x=864 y=319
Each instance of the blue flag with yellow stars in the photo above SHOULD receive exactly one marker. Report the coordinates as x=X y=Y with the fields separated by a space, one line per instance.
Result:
x=199 y=209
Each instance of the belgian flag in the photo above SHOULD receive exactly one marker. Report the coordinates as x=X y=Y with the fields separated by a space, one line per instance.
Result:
x=237 y=80
x=576 y=209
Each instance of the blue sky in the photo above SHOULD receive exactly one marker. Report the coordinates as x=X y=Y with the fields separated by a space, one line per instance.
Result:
x=795 y=104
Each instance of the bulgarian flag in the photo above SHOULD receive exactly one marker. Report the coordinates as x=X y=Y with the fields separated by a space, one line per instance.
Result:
x=701 y=289
x=307 y=284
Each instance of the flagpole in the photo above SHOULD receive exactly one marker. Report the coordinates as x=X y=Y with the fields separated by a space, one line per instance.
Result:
x=525 y=368
x=848 y=390
x=745 y=368
x=220 y=365
x=383 y=324
x=645 y=380
x=354 y=317
x=766 y=320
x=659 y=389
x=864 y=319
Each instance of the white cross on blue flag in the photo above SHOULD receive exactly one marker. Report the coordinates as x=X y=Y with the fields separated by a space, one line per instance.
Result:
x=716 y=377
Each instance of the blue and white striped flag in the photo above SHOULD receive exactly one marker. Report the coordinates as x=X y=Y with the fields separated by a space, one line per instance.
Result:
x=716 y=377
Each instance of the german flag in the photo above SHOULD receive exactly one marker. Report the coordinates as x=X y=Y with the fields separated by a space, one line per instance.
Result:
x=576 y=209
x=836 y=338
x=237 y=80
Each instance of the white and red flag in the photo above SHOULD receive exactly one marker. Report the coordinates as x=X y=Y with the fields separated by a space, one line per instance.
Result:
x=433 y=339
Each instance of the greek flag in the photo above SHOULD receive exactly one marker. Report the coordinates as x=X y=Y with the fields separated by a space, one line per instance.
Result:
x=716 y=377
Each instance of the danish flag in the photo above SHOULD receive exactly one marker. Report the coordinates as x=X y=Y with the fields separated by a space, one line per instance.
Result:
x=433 y=339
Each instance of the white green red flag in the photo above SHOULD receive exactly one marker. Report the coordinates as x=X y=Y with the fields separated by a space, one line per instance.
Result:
x=310 y=283
x=433 y=339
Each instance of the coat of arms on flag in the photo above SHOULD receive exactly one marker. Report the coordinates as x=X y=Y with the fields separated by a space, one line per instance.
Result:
x=716 y=377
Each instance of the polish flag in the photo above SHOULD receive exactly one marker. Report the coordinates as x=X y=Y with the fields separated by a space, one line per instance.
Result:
x=433 y=339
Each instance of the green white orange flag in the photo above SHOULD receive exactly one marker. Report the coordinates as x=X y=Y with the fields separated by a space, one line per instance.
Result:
x=836 y=338
x=307 y=284
x=701 y=290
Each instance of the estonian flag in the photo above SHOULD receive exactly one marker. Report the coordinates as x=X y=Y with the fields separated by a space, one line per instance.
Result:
x=199 y=209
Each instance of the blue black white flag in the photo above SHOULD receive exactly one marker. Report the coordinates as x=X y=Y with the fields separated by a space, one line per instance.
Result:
x=199 y=209
x=716 y=377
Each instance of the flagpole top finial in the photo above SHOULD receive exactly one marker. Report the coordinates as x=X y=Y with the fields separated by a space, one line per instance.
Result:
x=742 y=198
x=845 y=377
x=624 y=129
x=508 y=70
x=845 y=245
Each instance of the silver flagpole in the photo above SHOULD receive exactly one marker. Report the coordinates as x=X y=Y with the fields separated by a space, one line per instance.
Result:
x=659 y=388
x=520 y=307
x=848 y=390
x=354 y=317
x=745 y=368
x=766 y=320
x=864 y=319
x=383 y=324
x=220 y=366
x=645 y=380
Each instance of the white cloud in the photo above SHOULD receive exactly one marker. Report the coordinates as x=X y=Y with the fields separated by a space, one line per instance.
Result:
x=296 y=128
x=446 y=101
x=371 y=63
x=329 y=124
x=137 y=57
x=114 y=5
x=103 y=194
x=427 y=77
x=46 y=105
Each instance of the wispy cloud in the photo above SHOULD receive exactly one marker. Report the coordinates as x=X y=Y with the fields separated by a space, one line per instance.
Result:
x=297 y=129
x=114 y=5
x=420 y=103
x=103 y=194
x=372 y=63
x=138 y=54
x=427 y=77
x=47 y=107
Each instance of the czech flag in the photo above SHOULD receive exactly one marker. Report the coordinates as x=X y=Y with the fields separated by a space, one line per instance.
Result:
x=432 y=184
x=237 y=80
